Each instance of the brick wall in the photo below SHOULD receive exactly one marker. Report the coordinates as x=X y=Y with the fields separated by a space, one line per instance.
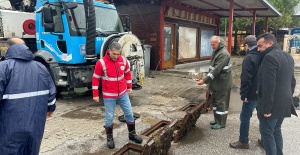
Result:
x=144 y=19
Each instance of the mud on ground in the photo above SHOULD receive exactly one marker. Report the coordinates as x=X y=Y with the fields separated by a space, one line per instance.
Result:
x=76 y=127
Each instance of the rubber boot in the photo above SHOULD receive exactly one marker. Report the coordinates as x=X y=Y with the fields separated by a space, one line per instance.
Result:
x=223 y=120
x=109 y=137
x=132 y=135
x=220 y=121
x=215 y=115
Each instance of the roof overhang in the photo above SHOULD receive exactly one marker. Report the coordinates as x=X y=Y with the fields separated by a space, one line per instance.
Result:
x=242 y=8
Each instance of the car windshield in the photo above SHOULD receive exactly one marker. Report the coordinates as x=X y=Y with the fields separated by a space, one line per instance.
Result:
x=107 y=20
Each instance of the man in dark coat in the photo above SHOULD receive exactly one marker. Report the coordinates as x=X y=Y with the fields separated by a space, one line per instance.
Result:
x=248 y=91
x=219 y=80
x=276 y=84
x=27 y=97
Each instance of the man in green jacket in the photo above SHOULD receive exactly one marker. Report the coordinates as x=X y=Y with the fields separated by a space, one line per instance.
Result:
x=219 y=82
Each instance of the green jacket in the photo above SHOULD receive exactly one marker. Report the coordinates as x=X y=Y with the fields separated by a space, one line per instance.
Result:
x=219 y=77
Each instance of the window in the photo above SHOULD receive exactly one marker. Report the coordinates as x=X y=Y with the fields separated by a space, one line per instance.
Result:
x=107 y=20
x=57 y=19
x=54 y=18
x=187 y=42
x=206 y=49
x=168 y=42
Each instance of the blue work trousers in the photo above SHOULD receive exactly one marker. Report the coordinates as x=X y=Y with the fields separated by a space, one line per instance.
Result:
x=110 y=105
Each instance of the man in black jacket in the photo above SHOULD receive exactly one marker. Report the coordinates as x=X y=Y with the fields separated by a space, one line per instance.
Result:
x=247 y=91
x=276 y=85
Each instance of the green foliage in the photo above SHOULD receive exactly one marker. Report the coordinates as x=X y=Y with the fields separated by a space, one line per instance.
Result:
x=285 y=7
x=295 y=22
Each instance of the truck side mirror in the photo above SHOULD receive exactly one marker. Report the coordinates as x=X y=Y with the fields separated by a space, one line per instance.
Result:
x=127 y=23
x=71 y=5
x=48 y=19
x=49 y=27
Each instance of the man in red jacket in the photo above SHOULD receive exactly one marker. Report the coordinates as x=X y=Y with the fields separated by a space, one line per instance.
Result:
x=114 y=72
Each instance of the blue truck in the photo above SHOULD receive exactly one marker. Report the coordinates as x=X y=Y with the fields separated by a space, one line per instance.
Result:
x=69 y=36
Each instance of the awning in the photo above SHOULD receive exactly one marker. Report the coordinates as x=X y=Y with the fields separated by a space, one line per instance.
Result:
x=242 y=8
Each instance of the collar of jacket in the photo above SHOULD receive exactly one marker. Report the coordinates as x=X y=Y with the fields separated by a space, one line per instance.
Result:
x=271 y=48
x=253 y=48
x=253 y=51
x=268 y=50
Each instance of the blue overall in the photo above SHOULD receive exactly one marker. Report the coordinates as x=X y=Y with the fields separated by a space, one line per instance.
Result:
x=27 y=93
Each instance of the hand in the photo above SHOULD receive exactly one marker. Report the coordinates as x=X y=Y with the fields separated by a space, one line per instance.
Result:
x=96 y=99
x=200 y=82
x=49 y=114
x=267 y=115
x=129 y=90
x=245 y=100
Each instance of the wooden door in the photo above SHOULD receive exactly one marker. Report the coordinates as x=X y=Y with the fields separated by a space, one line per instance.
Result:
x=169 y=46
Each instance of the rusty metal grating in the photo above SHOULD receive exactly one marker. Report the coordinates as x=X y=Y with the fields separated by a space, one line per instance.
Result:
x=158 y=144
x=130 y=149
x=164 y=132
x=192 y=114
x=155 y=127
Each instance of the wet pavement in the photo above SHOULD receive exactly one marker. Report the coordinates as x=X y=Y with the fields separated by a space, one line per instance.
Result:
x=76 y=127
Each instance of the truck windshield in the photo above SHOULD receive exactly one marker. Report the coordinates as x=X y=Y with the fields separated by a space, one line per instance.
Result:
x=107 y=21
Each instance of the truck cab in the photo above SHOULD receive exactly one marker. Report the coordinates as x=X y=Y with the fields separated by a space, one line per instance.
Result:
x=69 y=42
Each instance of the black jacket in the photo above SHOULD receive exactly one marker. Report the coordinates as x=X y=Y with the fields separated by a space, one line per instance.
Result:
x=276 y=83
x=249 y=75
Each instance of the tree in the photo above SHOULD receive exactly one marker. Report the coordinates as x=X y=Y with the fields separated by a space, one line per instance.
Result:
x=285 y=7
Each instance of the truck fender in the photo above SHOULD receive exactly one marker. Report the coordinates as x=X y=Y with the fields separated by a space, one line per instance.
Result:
x=46 y=56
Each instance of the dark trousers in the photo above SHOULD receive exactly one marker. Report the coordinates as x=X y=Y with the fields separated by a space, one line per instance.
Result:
x=270 y=130
x=246 y=114
x=220 y=104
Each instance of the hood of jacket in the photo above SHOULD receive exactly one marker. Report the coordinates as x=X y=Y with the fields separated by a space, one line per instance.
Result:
x=19 y=51
x=222 y=43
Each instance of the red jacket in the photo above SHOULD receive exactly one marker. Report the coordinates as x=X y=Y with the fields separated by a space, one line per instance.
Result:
x=115 y=77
